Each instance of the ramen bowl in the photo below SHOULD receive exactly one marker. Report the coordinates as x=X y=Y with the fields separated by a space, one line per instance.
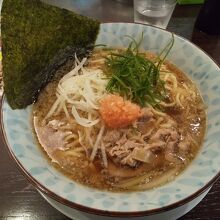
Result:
x=185 y=191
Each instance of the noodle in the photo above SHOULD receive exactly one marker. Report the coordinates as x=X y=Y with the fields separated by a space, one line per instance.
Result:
x=158 y=181
x=168 y=104
x=68 y=137
x=158 y=113
x=72 y=153
x=166 y=125
x=134 y=181
x=178 y=100
x=171 y=78
x=72 y=144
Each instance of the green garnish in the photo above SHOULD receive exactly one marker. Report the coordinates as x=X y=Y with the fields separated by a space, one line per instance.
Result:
x=135 y=77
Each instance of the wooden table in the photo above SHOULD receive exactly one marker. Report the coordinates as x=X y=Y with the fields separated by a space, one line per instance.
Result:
x=19 y=200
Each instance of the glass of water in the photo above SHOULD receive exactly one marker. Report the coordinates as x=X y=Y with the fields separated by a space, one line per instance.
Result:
x=153 y=12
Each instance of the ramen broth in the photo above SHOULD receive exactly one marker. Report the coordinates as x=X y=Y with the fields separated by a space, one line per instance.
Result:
x=146 y=154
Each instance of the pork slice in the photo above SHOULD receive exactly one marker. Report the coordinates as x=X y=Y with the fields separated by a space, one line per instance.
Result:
x=112 y=136
x=131 y=144
x=166 y=140
x=130 y=153
x=165 y=134
x=129 y=160
x=145 y=127
x=157 y=144
x=138 y=155
x=146 y=115
x=120 y=150
x=49 y=138
x=145 y=121
x=143 y=155
x=122 y=140
x=55 y=124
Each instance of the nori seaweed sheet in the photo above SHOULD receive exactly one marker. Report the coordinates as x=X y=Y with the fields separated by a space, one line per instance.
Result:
x=36 y=40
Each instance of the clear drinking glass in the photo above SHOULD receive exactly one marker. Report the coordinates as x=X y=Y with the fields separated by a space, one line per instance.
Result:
x=154 y=12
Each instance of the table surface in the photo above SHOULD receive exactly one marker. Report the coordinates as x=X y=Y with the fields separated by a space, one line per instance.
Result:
x=19 y=199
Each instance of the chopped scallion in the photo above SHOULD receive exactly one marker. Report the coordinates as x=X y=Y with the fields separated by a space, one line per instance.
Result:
x=135 y=77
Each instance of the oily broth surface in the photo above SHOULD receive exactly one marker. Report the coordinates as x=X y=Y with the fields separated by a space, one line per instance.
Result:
x=81 y=170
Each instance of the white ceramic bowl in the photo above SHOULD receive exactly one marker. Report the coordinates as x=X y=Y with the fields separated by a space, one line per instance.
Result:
x=194 y=181
x=171 y=214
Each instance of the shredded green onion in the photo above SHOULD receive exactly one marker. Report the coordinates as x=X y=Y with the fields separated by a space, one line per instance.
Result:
x=135 y=77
